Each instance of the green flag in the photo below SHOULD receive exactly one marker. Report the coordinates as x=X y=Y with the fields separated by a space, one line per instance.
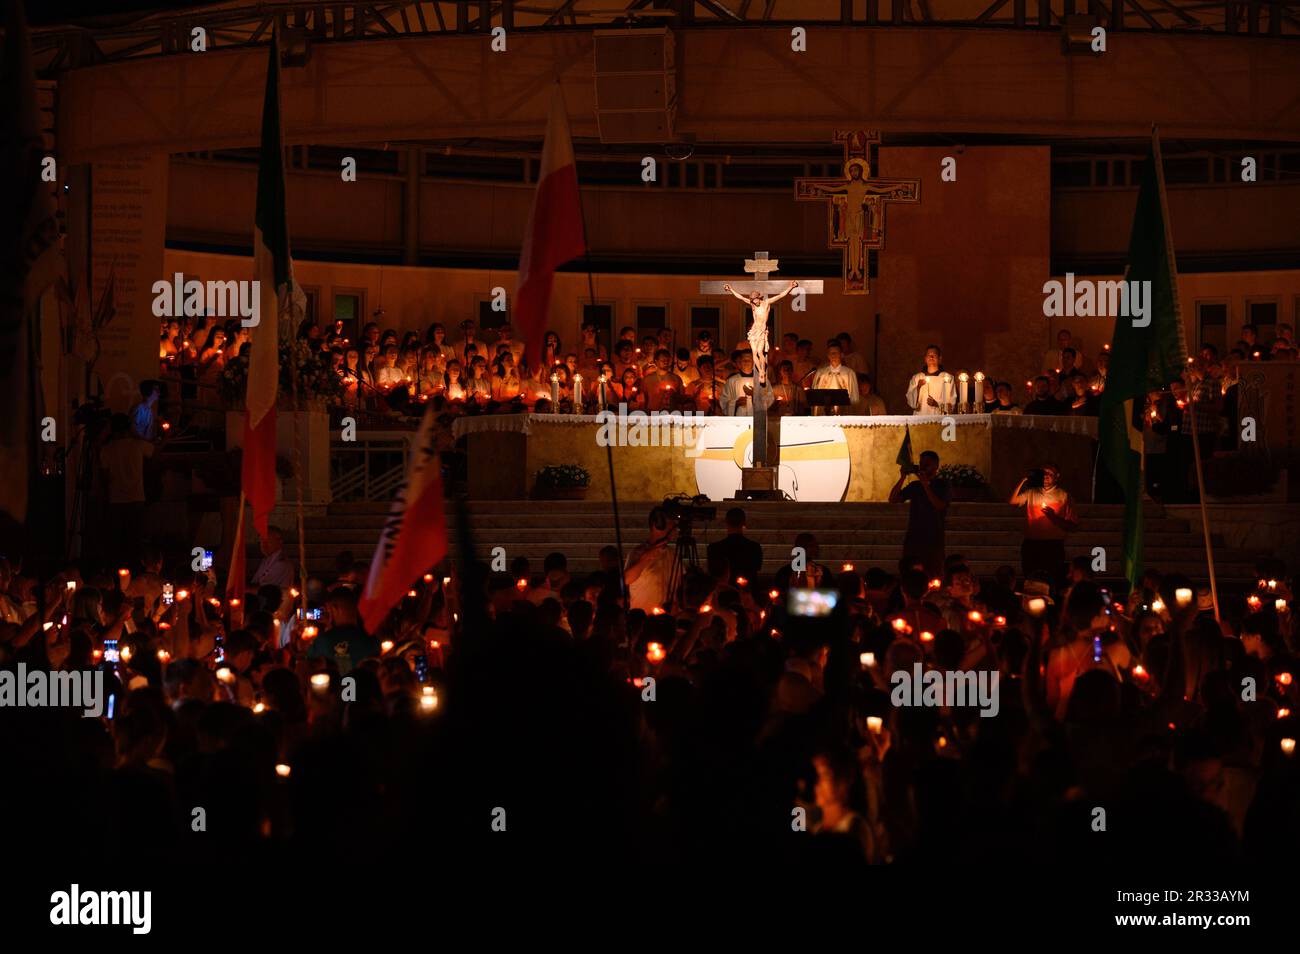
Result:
x=1147 y=351
x=905 y=449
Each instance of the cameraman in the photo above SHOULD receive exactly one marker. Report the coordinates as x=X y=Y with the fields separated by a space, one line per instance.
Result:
x=650 y=563
x=927 y=498
x=1049 y=513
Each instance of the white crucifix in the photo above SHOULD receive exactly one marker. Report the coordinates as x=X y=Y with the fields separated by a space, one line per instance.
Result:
x=760 y=294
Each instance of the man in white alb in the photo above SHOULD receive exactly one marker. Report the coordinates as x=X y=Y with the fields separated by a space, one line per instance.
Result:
x=933 y=390
x=834 y=374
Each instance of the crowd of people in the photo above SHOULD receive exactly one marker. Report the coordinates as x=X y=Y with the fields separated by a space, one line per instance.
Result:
x=486 y=371
x=615 y=710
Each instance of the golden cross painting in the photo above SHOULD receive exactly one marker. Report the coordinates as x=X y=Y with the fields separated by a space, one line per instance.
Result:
x=856 y=223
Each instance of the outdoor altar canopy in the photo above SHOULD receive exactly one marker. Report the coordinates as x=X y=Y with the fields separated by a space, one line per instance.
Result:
x=822 y=458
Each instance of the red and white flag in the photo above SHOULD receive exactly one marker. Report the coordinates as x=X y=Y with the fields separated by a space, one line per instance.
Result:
x=415 y=534
x=554 y=234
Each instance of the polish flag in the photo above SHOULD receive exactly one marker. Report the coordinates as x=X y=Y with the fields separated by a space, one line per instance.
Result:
x=414 y=537
x=554 y=234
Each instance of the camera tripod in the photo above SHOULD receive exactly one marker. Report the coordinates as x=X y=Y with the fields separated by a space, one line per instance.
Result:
x=685 y=555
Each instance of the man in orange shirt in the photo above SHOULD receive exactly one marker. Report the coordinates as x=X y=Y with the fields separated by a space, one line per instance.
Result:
x=1050 y=516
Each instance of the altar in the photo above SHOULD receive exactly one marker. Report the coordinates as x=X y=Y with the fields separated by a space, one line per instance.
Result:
x=822 y=458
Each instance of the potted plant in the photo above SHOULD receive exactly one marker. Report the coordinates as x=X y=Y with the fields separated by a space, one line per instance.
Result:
x=562 y=482
x=966 y=482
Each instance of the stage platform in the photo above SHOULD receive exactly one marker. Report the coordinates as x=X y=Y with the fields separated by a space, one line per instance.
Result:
x=823 y=459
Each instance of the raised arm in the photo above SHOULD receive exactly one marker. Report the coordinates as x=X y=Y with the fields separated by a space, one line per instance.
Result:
x=735 y=294
x=777 y=297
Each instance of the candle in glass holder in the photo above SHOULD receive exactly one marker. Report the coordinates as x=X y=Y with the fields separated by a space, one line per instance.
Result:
x=867 y=660
x=1183 y=596
x=875 y=724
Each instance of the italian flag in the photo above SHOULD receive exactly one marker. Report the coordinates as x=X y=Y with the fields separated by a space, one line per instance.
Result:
x=273 y=268
x=414 y=537
x=554 y=234
x=1142 y=359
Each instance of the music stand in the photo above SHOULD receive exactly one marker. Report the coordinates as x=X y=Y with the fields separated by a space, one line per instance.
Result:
x=828 y=397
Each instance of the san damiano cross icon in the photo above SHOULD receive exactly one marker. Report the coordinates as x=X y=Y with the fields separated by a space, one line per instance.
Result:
x=857 y=204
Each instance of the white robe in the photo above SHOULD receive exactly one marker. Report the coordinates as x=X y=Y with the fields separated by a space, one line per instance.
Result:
x=942 y=387
x=734 y=391
x=842 y=378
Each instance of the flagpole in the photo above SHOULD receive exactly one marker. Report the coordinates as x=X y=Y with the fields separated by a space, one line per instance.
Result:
x=1200 y=493
x=609 y=445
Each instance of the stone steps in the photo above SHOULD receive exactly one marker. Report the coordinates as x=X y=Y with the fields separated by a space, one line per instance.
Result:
x=865 y=534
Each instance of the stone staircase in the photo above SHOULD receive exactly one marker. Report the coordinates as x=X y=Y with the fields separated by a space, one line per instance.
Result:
x=865 y=534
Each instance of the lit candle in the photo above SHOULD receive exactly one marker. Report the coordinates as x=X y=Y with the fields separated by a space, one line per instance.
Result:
x=927 y=636
x=283 y=770
x=555 y=393
x=1288 y=747
x=225 y=675
x=386 y=646
x=320 y=682
x=123 y=578
x=1279 y=605
x=429 y=700
x=654 y=652
x=577 y=394
x=1036 y=606
x=847 y=568
x=1158 y=605
x=600 y=393
x=867 y=660
x=963 y=391
x=1183 y=596
x=875 y=724
x=979 y=392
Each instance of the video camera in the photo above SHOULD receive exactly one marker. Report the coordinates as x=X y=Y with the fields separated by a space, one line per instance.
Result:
x=686 y=509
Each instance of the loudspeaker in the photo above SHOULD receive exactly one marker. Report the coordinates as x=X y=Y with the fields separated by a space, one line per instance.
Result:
x=636 y=85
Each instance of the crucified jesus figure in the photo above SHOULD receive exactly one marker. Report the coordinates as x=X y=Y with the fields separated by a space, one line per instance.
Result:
x=761 y=305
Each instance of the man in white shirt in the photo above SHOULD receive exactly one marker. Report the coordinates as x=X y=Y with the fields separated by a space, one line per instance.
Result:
x=649 y=565
x=275 y=568
x=1053 y=360
x=837 y=376
x=932 y=390
x=738 y=394
x=852 y=357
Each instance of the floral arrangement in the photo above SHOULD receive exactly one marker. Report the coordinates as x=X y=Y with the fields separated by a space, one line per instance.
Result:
x=563 y=475
x=962 y=475
x=316 y=379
